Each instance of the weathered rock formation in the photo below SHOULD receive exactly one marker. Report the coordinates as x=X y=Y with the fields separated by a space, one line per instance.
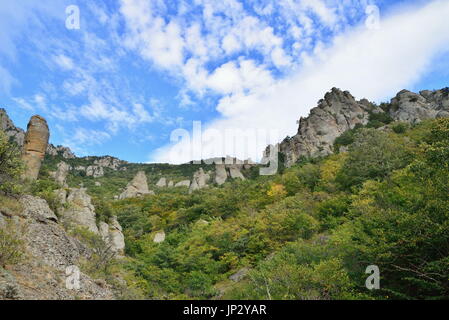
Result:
x=35 y=146
x=6 y=125
x=200 y=180
x=137 y=187
x=64 y=152
x=413 y=108
x=339 y=112
x=94 y=171
x=162 y=183
x=221 y=175
x=50 y=250
x=80 y=210
x=112 y=234
x=61 y=173
x=184 y=183
x=159 y=237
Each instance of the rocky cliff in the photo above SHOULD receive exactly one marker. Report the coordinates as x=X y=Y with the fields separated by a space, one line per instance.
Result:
x=339 y=111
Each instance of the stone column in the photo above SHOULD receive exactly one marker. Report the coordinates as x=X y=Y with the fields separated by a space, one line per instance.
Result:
x=35 y=146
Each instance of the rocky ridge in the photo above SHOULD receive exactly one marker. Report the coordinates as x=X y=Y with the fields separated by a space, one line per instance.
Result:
x=339 y=111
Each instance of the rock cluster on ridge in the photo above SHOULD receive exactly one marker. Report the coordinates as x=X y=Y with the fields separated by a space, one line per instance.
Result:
x=137 y=187
x=339 y=112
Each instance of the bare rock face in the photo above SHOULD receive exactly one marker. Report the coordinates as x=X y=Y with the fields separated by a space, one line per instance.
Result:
x=162 y=183
x=94 y=171
x=221 y=175
x=50 y=251
x=335 y=114
x=80 y=210
x=112 y=235
x=37 y=209
x=413 y=108
x=235 y=173
x=184 y=183
x=159 y=237
x=170 y=184
x=137 y=187
x=65 y=152
x=35 y=146
x=200 y=180
x=61 y=173
x=109 y=162
x=6 y=125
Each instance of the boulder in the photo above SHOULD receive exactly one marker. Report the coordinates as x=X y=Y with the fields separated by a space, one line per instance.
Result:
x=7 y=126
x=61 y=173
x=221 y=174
x=162 y=183
x=137 y=187
x=159 y=237
x=65 y=152
x=35 y=146
x=235 y=172
x=184 y=183
x=80 y=210
x=37 y=209
x=94 y=171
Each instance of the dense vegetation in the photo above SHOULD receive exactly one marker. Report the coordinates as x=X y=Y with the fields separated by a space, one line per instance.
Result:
x=310 y=232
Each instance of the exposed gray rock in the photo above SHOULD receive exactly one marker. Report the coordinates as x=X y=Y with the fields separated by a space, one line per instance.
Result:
x=335 y=114
x=413 y=108
x=235 y=173
x=162 y=183
x=112 y=234
x=240 y=275
x=137 y=187
x=37 y=208
x=6 y=124
x=159 y=237
x=61 y=173
x=109 y=162
x=184 y=183
x=170 y=184
x=80 y=210
x=221 y=174
x=94 y=171
x=65 y=152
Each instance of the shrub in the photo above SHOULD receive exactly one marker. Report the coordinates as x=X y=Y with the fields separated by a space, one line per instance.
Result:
x=400 y=127
x=373 y=155
x=12 y=246
x=11 y=166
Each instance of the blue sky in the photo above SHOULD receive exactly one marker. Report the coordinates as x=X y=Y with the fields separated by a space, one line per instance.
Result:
x=137 y=70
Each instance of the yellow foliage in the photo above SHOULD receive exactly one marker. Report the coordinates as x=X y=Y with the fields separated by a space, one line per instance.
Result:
x=277 y=191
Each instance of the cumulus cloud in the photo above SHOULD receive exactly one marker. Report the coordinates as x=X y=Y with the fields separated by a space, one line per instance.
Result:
x=370 y=63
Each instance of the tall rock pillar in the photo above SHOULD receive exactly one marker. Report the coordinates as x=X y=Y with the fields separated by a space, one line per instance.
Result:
x=34 y=147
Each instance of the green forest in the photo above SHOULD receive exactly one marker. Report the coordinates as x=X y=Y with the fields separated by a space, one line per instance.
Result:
x=308 y=232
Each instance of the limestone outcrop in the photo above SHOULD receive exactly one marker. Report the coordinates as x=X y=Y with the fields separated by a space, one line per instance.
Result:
x=6 y=125
x=184 y=183
x=137 y=187
x=162 y=183
x=112 y=234
x=221 y=175
x=35 y=146
x=413 y=108
x=159 y=237
x=65 y=152
x=80 y=210
x=200 y=180
x=61 y=173
x=50 y=250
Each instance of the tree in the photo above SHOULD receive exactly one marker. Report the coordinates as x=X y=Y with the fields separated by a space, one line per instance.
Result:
x=11 y=166
x=373 y=155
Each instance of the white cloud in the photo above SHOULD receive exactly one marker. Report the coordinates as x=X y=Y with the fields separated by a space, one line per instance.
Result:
x=370 y=63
